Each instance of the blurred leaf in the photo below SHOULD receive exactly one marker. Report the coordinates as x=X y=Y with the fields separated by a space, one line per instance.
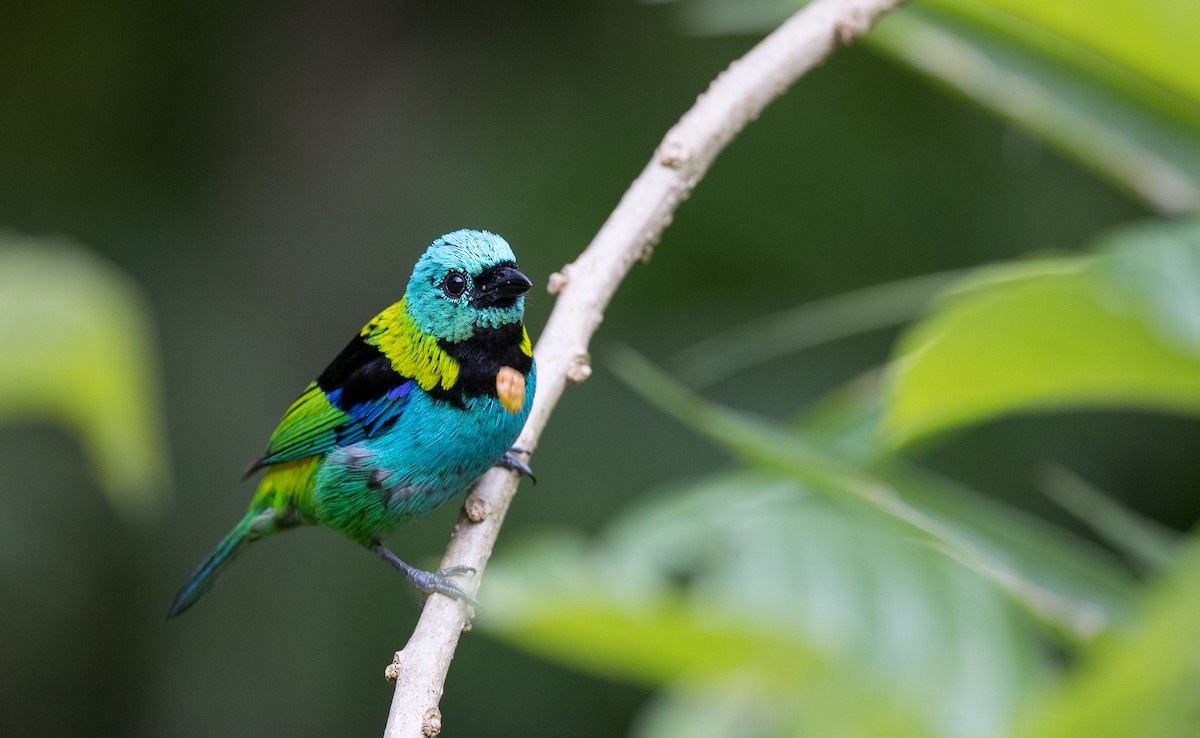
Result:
x=1112 y=84
x=1034 y=581
x=548 y=591
x=713 y=709
x=1143 y=680
x=846 y=422
x=1151 y=150
x=779 y=605
x=847 y=418
x=1118 y=329
x=1156 y=39
x=79 y=352
x=806 y=326
x=1145 y=541
x=742 y=707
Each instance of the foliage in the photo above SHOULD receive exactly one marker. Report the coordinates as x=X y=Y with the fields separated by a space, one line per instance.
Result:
x=836 y=588
x=751 y=596
x=1109 y=83
x=1120 y=327
x=796 y=597
x=79 y=352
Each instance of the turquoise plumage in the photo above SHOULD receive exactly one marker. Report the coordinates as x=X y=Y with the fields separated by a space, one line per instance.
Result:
x=426 y=398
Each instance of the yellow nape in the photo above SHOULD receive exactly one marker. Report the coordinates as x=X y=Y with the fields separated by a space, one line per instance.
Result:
x=526 y=344
x=287 y=483
x=413 y=352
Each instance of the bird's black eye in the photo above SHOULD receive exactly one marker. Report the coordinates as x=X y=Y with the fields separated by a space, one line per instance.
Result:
x=454 y=284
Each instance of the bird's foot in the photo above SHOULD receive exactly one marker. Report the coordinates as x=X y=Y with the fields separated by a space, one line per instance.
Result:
x=439 y=581
x=429 y=582
x=510 y=461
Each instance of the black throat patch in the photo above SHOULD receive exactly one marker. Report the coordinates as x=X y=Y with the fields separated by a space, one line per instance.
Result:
x=480 y=358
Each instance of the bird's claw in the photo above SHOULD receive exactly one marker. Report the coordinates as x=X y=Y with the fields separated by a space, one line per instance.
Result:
x=440 y=582
x=510 y=461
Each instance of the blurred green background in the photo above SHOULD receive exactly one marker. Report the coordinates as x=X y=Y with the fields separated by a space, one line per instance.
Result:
x=265 y=175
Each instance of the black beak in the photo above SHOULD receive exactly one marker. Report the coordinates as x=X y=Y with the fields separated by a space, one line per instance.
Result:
x=500 y=286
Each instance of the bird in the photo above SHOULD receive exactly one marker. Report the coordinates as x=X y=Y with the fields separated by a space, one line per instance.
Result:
x=427 y=397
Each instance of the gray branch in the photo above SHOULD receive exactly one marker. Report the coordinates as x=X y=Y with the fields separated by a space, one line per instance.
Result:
x=735 y=98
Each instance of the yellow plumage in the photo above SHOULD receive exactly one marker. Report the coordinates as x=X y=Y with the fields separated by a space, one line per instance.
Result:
x=287 y=484
x=526 y=345
x=412 y=352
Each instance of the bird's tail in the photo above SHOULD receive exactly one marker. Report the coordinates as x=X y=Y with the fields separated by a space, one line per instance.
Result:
x=205 y=575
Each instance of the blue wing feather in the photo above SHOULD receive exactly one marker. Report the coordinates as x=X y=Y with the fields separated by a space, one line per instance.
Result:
x=378 y=415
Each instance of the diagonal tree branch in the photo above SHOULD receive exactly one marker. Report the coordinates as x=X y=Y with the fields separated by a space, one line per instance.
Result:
x=584 y=288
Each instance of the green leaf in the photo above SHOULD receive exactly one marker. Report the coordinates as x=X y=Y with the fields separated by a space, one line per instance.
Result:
x=741 y=706
x=79 y=352
x=1033 y=581
x=713 y=709
x=1156 y=39
x=1118 y=329
x=549 y=591
x=846 y=421
x=1142 y=680
x=1106 y=119
x=1111 y=84
x=796 y=610
x=554 y=597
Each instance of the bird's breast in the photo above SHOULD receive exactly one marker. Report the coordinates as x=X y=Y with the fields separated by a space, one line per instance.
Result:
x=437 y=449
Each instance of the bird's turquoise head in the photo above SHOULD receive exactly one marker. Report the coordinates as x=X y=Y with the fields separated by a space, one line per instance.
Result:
x=466 y=280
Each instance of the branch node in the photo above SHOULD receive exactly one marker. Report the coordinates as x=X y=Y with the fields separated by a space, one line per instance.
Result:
x=392 y=672
x=649 y=239
x=579 y=368
x=673 y=152
x=558 y=280
x=853 y=25
x=477 y=508
x=431 y=724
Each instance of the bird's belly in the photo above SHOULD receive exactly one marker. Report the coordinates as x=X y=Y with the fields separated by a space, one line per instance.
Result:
x=435 y=451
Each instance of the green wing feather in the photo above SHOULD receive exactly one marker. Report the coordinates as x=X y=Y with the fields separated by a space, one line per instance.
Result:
x=309 y=427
